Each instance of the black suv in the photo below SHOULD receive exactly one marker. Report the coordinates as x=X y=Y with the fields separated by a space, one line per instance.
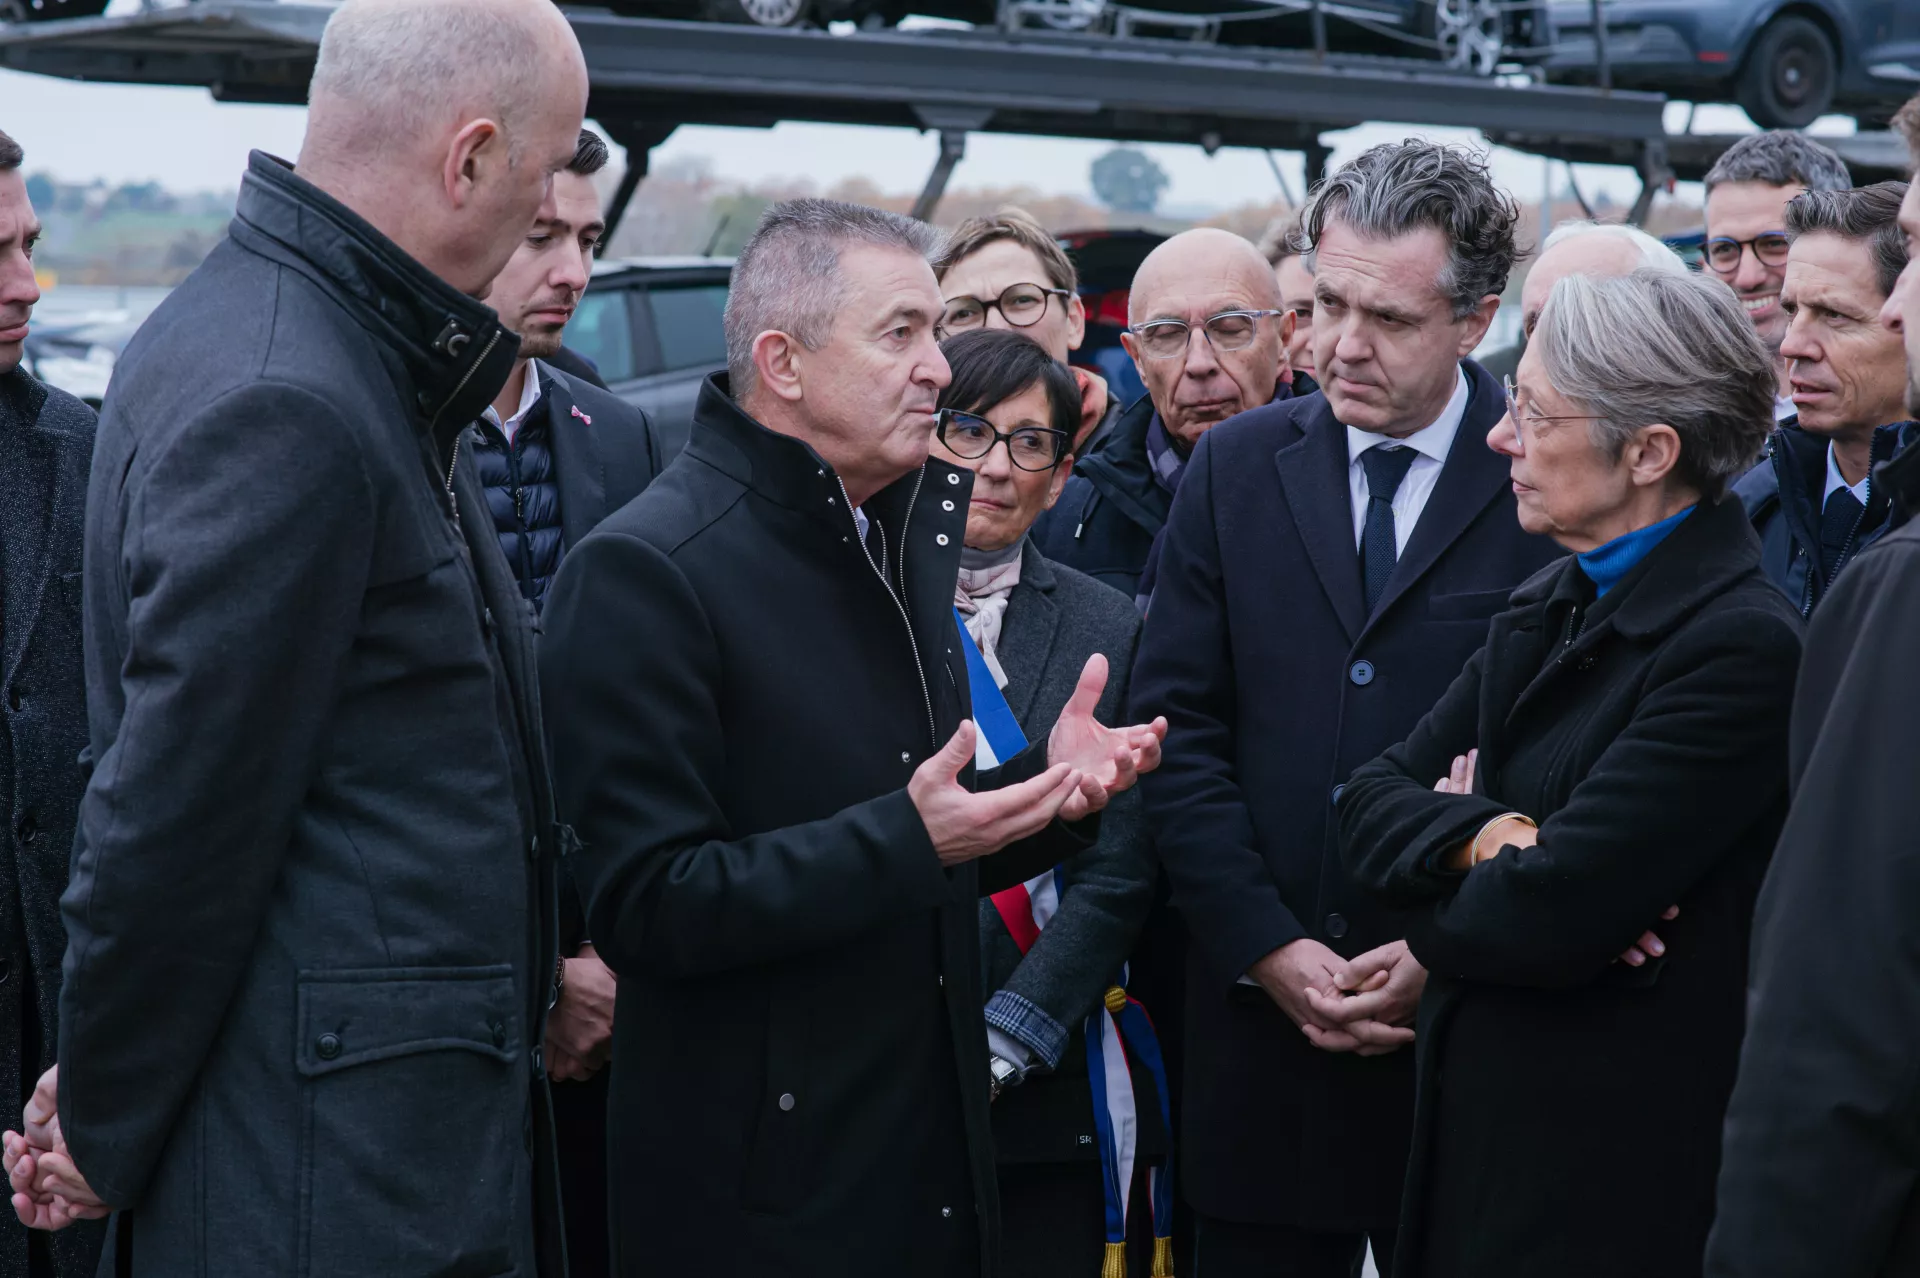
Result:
x=652 y=326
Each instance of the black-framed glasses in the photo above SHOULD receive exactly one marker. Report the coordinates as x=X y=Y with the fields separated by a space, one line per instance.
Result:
x=1021 y=305
x=1724 y=252
x=1227 y=331
x=972 y=436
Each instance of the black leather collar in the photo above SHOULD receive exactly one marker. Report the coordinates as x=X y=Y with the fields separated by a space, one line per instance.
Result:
x=453 y=347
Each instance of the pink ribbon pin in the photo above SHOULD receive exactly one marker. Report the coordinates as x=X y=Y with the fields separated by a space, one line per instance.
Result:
x=582 y=416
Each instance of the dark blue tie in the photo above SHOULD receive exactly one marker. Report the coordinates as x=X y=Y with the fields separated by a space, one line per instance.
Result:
x=1386 y=467
x=1837 y=524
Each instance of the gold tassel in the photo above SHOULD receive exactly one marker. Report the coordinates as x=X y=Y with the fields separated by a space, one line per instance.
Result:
x=1114 y=1265
x=1163 y=1258
x=1116 y=1003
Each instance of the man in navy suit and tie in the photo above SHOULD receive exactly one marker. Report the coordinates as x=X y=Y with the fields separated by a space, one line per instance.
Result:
x=1329 y=566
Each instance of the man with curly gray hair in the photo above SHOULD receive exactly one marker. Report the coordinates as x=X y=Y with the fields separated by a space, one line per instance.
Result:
x=1328 y=567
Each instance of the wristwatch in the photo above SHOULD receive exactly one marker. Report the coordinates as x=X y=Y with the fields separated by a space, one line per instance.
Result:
x=1004 y=1073
x=559 y=982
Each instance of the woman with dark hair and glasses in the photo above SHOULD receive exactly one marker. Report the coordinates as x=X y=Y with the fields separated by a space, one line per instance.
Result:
x=1077 y=1111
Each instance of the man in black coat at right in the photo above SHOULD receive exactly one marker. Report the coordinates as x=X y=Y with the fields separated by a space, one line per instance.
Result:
x=1820 y=1166
x=1329 y=566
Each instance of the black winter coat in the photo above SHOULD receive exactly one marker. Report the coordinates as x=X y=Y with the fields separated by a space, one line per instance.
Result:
x=310 y=920
x=1569 y=1107
x=1822 y=1155
x=579 y=455
x=1111 y=509
x=738 y=693
x=46 y=441
x=1276 y=685
x=1784 y=496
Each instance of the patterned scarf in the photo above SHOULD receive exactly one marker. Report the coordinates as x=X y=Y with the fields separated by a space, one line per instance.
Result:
x=987 y=579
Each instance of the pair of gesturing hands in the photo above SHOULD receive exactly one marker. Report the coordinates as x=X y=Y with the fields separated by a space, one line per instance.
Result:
x=1088 y=764
x=48 y=1190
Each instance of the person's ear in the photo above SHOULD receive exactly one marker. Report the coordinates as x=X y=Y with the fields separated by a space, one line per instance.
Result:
x=1652 y=454
x=776 y=361
x=1061 y=473
x=476 y=150
x=1076 y=321
x=1131 y=345
x=1284 y=325
x=1473 y=329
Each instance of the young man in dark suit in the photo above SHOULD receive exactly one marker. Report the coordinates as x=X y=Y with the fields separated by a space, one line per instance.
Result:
x=558 y=453
x=1330 y=563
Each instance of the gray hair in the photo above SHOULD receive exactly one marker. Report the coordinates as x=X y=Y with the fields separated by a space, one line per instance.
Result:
x=1400 y=187
x=391 y=70
x=1868 y=213
x=1654 y=254
x=787 y=278
x=1781 y=157
x=1657 y=347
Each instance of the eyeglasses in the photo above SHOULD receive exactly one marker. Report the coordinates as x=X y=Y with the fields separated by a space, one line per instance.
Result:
x=1227 y=331
x=1517 y=409
x=1724 y=253
x=1021 y=305
x=973 y=437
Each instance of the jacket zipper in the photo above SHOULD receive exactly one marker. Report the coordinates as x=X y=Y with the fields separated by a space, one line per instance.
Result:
x=454 y=461
x=926 y=697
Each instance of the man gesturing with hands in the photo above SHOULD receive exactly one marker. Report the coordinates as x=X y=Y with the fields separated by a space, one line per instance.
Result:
x=757 y=697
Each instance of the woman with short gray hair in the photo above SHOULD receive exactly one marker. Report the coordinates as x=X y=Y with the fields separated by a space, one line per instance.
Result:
x=1611 y=774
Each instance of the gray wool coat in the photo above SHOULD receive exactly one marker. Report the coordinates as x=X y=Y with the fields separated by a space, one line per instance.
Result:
x=1056 y=619
x=46 y=443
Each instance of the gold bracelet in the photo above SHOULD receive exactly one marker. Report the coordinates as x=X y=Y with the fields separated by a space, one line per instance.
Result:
x=1473 y=848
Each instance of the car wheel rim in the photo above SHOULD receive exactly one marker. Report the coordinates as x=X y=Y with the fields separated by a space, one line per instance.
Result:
x=1073 y=15
x=1797 y=76
x=774 y=13
x=1470 y=33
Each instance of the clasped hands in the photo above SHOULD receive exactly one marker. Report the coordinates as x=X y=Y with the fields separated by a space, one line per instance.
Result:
x=1363 y=1005
x=1088 y=764
x=48 y=1190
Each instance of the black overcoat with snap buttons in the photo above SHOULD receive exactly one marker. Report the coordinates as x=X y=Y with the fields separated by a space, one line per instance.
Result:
x=1277 y=685
x=737 y=692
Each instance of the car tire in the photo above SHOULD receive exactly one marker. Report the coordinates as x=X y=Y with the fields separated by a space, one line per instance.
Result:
x=1789 y=76
x=759 y=13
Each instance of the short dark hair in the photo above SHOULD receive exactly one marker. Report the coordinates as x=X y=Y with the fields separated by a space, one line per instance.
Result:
x=1869 y=213
x=1397 y=188
x=589 y=154
x=992 y=365
x=1781 y=157
x=11 y=156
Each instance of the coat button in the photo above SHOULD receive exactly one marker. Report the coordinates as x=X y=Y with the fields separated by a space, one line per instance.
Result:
x=786 y=1102
x=946 y=1213
x=499 y=1029
x=1361 y=672
x=29 y=829
x=1336 y=926
x=1339 y=790
x=953 y=479
x=905 y=757
x=946 y=505
x=328 y=1046
x=941 y=539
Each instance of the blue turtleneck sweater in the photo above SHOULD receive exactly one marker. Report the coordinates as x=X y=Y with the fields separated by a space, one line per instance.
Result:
x=1606 y=565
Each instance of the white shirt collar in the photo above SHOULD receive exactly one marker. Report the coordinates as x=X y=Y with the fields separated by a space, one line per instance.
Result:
x=1432 y=440
x=529 y=396
x=1837 y=481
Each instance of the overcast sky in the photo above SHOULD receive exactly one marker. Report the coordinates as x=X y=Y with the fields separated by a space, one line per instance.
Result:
x=187 y=141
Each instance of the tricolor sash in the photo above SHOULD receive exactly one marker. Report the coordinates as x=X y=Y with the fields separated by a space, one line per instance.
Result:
x=1116 y=1029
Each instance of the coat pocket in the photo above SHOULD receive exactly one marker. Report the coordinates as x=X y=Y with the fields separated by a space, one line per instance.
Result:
x=414 y=1119
x=778 y=1173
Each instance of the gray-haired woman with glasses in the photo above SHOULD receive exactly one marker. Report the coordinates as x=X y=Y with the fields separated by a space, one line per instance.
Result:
x=1055 y=946
x=1577 y=831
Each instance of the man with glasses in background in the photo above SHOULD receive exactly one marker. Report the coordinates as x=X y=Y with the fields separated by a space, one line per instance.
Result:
x=1007 y=271
x=1329 y=567
x=1209 y=337
x=1747 y=193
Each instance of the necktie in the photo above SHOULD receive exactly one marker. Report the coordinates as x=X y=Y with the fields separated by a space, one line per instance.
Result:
x=1837 y=526
x=1385 y=467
